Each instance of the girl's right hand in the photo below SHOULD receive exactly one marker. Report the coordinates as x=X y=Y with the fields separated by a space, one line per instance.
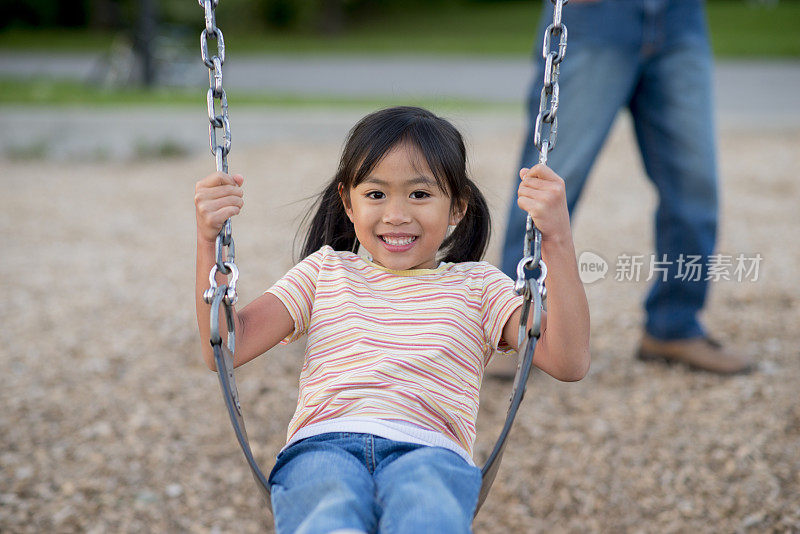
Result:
x=217 y=197
x=542 y=193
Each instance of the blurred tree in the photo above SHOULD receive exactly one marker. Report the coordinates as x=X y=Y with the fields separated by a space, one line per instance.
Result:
x=279 y=13
x=143 y=41
x=331 y=17
x=43 y=13
x=106 y=14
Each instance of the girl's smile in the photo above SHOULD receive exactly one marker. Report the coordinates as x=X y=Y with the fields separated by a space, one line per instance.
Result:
x=398 y=242
x=399 y=212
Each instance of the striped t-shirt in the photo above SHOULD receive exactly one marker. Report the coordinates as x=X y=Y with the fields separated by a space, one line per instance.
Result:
x=395 y=345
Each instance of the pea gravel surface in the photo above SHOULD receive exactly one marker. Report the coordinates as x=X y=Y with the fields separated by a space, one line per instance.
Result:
x=110 y=421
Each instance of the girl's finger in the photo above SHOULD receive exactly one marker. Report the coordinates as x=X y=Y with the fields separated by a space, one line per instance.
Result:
x=225 y=179
x=220 y=191
x=533 y=184
x=534 y=187
x=526 y=192
x=227 y=212
x=542 y=172
x=215 y=220
x=531 y=205
x=213 y=205
x=216 y=179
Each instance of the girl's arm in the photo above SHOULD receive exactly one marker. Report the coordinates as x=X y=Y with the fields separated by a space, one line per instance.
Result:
x=263 y=322
x=563 y=348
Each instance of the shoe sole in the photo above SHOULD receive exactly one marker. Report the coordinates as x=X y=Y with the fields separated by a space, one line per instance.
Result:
x=660 y=358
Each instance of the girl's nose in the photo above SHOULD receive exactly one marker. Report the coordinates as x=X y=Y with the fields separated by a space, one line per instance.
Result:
x=396 y=213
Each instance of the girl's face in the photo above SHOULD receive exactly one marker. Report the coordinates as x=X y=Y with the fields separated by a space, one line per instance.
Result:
x=399 y=213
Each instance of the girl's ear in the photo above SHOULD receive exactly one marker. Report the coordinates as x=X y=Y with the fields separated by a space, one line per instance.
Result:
x=346 y=202
x=457 y=213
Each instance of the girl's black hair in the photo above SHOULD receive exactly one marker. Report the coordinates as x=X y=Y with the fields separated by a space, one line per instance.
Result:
x=443 y=149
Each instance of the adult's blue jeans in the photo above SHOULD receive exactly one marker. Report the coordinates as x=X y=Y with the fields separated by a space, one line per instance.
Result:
x=351 y=482
x=653 y=58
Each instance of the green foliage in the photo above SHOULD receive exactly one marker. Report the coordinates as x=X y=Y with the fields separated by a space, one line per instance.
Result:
x=739 y=28
x=44 y=13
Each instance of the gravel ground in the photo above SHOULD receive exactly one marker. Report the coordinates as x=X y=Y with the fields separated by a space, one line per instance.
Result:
x=112 y=423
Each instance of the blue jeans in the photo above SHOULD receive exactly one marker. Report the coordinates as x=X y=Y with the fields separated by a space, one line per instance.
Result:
x=653 y=58
x=364 y=483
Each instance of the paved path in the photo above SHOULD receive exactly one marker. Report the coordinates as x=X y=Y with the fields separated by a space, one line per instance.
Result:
x=772 y=86
x=754 y=94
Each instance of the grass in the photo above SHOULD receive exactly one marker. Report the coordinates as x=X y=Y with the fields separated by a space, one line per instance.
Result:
x=35 y=150
x=739 y=29
x=62 y=92
x=743 y=30
x=484 y=29
x=165 y=149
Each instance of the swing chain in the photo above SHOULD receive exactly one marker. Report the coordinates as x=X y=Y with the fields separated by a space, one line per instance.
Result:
x=215 y=90
x=225 y=254
x=548 y=100
x=548 y=107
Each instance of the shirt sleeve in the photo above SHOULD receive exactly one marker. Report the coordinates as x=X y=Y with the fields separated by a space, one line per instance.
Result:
x=498 y=302
x=296 y=290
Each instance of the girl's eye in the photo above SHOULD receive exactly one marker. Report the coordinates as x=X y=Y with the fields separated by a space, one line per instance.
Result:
x=420 y=194
x=375 y=195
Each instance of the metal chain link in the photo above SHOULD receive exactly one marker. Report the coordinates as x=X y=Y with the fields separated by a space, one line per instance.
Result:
x=532 y=290
x=224 y=245
x=223 y=297
x=545 y=134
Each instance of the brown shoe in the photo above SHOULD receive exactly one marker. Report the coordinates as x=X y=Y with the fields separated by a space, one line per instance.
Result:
x=698 y=352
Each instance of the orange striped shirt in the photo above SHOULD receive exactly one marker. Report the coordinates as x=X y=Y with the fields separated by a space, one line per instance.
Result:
x=397 y=345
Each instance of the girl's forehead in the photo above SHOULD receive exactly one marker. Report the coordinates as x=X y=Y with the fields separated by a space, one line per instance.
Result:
x=402 y=163
x=403 y=158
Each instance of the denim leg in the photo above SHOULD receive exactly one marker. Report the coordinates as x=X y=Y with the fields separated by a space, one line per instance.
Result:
x=429 y=489
x=672 y=113
x=595 y=81
x=321 y=485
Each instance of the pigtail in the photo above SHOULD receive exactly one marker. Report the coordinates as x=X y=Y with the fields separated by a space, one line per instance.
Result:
x=330 y=224
x=470 y=238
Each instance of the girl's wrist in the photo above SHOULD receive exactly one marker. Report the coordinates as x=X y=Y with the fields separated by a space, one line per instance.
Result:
x=202 y=240
x=558 y=249
x=557 y=240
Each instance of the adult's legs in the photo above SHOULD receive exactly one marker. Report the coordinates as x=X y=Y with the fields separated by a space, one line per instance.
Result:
x=321 y=484
x=673 y=117
x=597 y=78
x=429 y=489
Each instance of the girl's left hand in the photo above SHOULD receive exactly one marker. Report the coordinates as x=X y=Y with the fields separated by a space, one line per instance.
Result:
x=542 y=194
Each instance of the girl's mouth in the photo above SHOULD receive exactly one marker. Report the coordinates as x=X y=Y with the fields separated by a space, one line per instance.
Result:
x=398 y=243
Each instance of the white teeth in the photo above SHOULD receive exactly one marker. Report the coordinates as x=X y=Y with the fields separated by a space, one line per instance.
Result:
x=398 y=241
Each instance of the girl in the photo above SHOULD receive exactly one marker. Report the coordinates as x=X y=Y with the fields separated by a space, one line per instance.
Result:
x=398 y=340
